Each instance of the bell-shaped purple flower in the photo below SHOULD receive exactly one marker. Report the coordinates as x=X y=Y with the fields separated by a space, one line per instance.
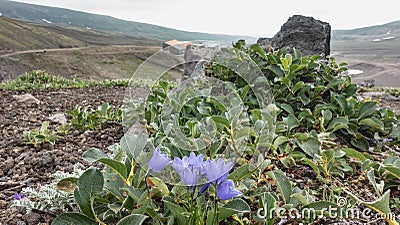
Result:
x=226 y=190
x=158 y=161
x=192 y=161
x=189 y=176
x=217 y=170
x=189 y=168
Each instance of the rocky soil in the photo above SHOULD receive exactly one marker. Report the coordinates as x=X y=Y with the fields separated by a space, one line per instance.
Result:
x=26 y=166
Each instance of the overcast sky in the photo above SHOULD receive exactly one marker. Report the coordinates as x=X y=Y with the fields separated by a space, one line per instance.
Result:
x=246 y=17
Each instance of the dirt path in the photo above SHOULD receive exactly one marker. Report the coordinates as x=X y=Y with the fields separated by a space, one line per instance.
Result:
x=135 y=47
x=43 y=50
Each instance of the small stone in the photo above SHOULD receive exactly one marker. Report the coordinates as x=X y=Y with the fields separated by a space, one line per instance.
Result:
x=21 y=222
x=26 y=98
x=59 y=118
x=32 y=218
x=3 y=204
x=48 y=161
x=17 y=150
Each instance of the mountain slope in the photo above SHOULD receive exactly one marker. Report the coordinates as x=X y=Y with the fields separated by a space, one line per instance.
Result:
x=18 y=35
x=46 y=14
x=376 y=33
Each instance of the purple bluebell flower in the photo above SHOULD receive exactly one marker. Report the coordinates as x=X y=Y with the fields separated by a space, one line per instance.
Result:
x=158 y=161
x=189 y=168
x=226 y=190
x=192 y=161
x=189 y=176
x=217 y=170
x=18 y=197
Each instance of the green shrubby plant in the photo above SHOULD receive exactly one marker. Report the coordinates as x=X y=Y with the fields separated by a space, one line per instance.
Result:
x=37 y=79
x=320 y=123
x=87 y=119
x=37 y=137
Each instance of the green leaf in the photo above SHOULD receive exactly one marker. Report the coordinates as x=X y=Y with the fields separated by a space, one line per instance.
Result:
x=276 y=70
x=381 y=206
x=160 y=185
x=301 y=136
x=297 y=86
x=134 y=144
x=281 y=140
x=73 y=219
x=242 y=172
x=360 y=143
x=114 y=183
x=372 y=122
x=321 y=206
x=342 y=103
x=268 y=203
x=352 y=153
x=367 y=109
x=90 y=183
x=312 y=165
x=378 y=187
x=177 y=211
x=283 y=184
x=393 y=170
x=334 y=83
x=233 y=207
x=326 y=115
x=285 y=63
x=311 y=146
x=258 y=49
x=135 y=193
x=297 y=53
x=67 y=184
x=95 y=155
x=134 y=219
x=221 y=120
x=291 y=122
x=338 y=123
x=286 y=107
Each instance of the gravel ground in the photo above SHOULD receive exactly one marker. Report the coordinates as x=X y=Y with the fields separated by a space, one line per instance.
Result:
x=26 y=166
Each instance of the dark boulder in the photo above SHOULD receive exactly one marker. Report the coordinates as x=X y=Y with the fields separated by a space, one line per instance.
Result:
x=308 y=35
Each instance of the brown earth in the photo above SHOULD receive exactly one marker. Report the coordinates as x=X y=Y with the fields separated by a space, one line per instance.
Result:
x=26 y=166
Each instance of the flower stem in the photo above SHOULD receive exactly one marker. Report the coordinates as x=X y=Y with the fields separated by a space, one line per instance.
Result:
x=215 y=217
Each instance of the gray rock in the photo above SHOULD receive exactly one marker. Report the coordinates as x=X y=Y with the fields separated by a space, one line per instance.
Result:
x=28 y=98
x=306 y=34
x=196 y=55
x=59 y=118
x=264 y=41
x=192 y=57
x=368 y=83
x=32 y=218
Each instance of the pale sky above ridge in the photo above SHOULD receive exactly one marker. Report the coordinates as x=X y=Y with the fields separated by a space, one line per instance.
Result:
x=249 y=17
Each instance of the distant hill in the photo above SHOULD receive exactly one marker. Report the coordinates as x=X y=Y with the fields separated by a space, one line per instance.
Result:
x=45 y=14
x=378 y=33
x=18 y=35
